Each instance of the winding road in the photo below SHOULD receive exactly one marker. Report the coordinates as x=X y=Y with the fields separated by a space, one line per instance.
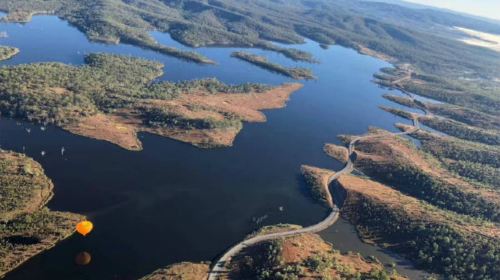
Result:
x=219 y=267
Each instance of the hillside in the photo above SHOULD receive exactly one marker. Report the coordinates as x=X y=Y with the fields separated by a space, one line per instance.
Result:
x=441 y=241
x=396 y=161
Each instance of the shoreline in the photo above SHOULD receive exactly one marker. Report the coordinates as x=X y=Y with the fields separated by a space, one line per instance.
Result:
x=29 y=228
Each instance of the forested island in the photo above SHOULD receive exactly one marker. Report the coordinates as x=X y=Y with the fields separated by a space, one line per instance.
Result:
x=295 y=73
x=7 y=52
x=114 y=97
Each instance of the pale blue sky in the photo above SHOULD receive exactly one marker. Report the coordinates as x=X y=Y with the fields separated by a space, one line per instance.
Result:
x=485 y=8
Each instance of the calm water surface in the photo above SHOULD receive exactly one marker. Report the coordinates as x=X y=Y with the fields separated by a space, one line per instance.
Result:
x=173 y=202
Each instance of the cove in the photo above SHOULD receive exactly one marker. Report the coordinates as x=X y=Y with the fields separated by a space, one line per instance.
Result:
x=173 y=202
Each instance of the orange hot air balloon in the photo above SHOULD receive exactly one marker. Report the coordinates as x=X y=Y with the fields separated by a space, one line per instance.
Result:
x=84 y=227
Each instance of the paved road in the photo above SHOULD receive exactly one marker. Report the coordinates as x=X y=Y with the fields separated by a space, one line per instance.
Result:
x=220 y=266
x=397 y=84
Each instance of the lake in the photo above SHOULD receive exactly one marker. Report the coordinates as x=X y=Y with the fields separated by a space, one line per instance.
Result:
x=174 y=202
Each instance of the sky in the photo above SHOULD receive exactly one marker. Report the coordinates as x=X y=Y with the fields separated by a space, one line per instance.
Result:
x=485 y=8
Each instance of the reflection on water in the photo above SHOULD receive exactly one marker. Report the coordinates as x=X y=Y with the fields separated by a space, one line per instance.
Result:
x=83 y=258
x=177 y=202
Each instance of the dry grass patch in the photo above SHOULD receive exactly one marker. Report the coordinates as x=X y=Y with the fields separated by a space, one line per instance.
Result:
x=180 y=271
x=122 y=126
x=337 y=152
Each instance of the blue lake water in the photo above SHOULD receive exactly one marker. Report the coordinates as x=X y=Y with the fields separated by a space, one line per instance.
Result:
x=173 y=202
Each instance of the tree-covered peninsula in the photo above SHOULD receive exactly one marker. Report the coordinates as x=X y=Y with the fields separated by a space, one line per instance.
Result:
x=27 y=227
x=114 y=97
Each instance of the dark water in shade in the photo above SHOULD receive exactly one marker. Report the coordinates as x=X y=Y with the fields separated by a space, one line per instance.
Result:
x=173 y=202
